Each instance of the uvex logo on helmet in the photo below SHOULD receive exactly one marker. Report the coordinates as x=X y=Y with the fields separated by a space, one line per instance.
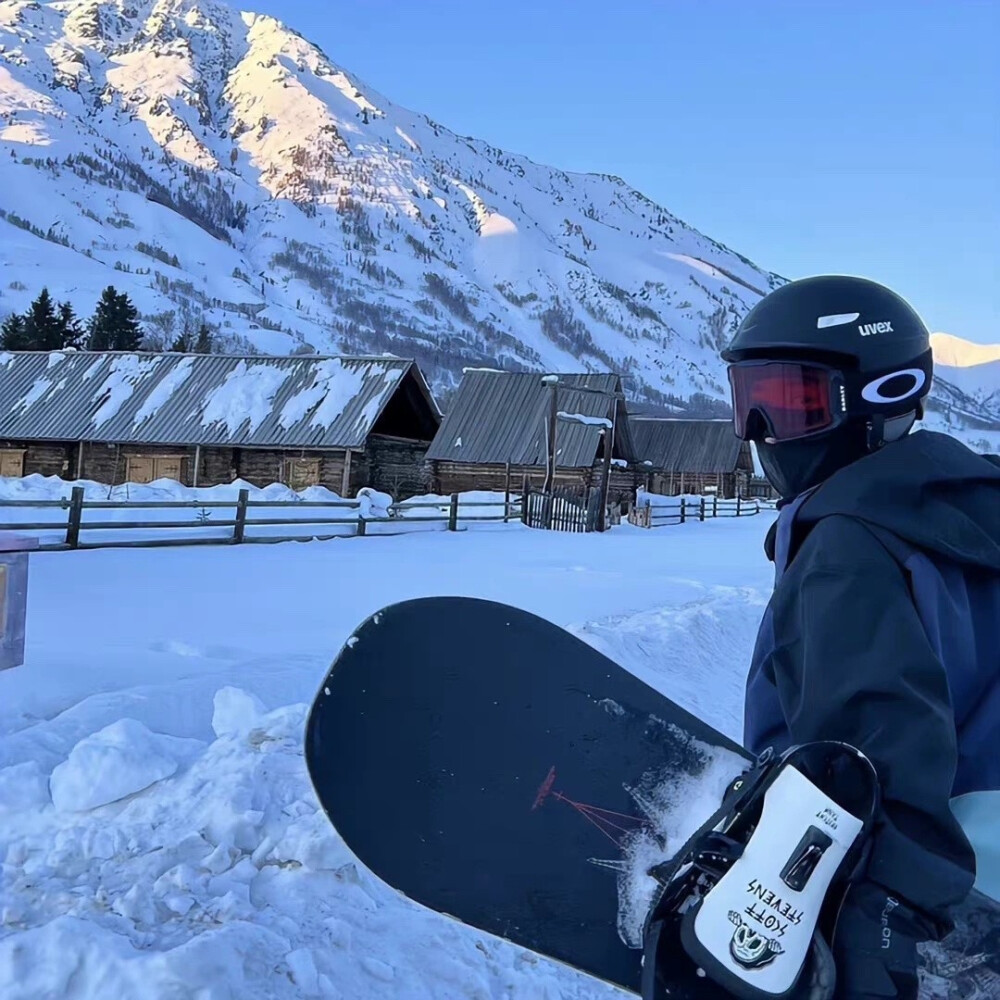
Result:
x=870 y=329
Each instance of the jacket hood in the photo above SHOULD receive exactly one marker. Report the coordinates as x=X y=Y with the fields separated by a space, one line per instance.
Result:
x=928 y=489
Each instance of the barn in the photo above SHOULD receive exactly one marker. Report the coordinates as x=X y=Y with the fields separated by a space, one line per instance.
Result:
x=496 y=432
x=691 y=456
x=115 y=417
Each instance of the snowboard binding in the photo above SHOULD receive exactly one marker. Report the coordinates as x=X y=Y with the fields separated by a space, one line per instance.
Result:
x=746 y=907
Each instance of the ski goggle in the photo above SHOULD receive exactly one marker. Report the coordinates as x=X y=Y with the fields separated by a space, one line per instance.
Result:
x=794 y=399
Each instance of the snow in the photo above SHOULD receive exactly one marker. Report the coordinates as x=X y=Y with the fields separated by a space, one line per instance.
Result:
x=669 y=826
x=160 y=836
x=124 y=376
x=163 y=390
x=955 y=352
x=245 y=396
x=373 y=503
x=112 y=764
x=336 y=385
x=582 y=418
x=38 y=389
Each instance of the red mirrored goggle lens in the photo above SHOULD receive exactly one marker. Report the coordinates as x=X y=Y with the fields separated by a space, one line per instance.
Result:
x=794 y=399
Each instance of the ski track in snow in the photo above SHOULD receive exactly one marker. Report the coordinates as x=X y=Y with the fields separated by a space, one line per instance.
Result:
x=158 y=831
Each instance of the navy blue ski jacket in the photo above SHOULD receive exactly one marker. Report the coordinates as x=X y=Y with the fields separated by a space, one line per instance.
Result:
x=884 y=631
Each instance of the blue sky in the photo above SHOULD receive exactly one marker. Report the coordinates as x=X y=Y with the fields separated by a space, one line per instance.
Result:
x=853 y=137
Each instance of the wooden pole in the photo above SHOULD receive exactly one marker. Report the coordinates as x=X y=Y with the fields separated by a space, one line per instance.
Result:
x=345 y=479
x=453 y=513
x=197 y=463
x=79 y=462
x=609 y=443
x=550 y=452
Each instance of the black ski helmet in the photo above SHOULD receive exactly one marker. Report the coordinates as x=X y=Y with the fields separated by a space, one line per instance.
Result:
x=873 y=340
x=854 y=324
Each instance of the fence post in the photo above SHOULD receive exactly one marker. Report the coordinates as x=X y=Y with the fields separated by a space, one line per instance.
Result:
x=453 y=513
x=701 y=512
x=362 y=525
x=506 y=494
x=715 y=505
x=737 y=505
x=239 y=529
x=683 y=510
x=75 y=516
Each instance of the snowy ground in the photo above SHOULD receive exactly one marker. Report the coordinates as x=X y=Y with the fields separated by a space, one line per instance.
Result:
x=158 y=832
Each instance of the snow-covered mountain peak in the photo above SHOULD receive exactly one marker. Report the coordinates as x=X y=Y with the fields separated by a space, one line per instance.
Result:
x=959 y=353
x=222 y=169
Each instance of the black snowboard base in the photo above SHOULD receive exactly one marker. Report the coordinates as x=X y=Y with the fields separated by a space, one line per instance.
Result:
x=493 y=767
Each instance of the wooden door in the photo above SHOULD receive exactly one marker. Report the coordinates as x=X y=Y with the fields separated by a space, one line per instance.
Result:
x=169 y=467
x=12 y=463
x=139 y=469
x=302 y=472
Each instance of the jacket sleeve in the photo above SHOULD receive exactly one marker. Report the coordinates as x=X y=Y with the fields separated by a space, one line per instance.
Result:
x=852 y=662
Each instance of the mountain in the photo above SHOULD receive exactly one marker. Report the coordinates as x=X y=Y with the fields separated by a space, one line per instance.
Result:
x=954 y=352
x=971 y=374
x=220 y=168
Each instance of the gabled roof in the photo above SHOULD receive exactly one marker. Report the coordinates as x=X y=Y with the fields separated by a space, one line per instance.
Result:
x=151 y=398
x=497 y=417
x=685 y=445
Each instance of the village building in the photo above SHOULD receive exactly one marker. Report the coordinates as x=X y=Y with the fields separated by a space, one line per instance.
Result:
x=691 y=456
x=495 y=434
x=117 y=417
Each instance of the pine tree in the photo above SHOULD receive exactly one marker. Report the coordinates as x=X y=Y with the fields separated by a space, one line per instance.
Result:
x=182 y=344
x=73 y=333
x=12 y=333
x=115 y=323
x=42 y=329
x=203 y=345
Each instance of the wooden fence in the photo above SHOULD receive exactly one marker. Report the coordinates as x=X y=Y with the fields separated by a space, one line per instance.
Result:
x=564 y=509
x=656 y=515
x=77 y=525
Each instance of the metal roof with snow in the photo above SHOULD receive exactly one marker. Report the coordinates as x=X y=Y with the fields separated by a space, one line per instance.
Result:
x=303 y=401
x=671 y=445
x=497 y=417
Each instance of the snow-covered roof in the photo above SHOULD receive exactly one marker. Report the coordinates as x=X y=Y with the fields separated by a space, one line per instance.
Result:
x=497 y=417
x=149 y=398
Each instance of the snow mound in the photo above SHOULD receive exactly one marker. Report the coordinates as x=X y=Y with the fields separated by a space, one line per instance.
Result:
x=23 y=786
x=236 y=713
x=373 y=504
x=115 y=762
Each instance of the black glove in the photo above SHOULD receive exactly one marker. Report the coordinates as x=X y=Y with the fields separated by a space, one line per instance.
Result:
x=875 y=945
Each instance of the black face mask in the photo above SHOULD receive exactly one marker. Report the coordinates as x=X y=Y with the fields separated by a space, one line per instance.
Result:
x=792 y=467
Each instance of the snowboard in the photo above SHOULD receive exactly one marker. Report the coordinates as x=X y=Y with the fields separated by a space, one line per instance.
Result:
x=493 y=767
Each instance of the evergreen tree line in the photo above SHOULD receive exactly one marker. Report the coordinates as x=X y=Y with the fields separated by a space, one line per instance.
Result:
x=114 y=326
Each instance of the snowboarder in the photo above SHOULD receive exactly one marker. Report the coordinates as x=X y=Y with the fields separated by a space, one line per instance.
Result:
x=883 y=630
